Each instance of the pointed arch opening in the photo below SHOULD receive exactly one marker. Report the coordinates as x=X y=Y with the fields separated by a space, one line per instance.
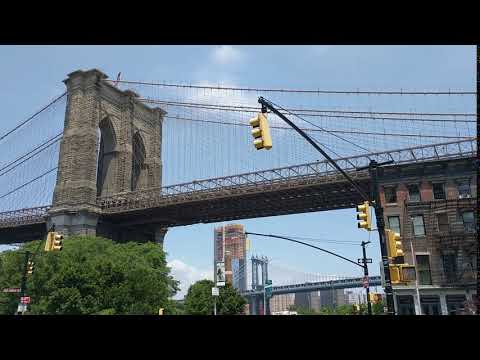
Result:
x=138 y=162
x=106 y=155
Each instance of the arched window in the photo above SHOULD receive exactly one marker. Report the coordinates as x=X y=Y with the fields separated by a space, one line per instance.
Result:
x=138 y=161
x=106 y=154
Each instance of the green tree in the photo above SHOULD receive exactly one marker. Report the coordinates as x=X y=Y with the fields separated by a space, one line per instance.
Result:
x=378 y=308
x=91 y=275
x=199 y=300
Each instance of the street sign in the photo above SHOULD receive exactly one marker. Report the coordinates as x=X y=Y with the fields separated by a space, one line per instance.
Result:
x=215 y=291
x=220 y=274
x=22 y=308
x=268 y=288
x=365 y=282
x=25 y=299
x=11 y=290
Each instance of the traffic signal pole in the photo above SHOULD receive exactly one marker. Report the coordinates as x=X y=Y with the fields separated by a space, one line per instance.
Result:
x=373 y=170
x=365 y=272
x=267 y=105
x=23 y=286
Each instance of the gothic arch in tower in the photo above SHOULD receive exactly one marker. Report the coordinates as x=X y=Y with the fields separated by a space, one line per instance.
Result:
x=138 y=162
x=106 y=157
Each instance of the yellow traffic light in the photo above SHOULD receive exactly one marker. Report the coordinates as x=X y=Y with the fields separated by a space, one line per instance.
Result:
x=375 y=298
x=48 y=243
x=30 y=267
x=394 y=244
x=402 y=273
x=261 y=132
x=407 y=273
x=57 y=242
x=54 y=241
x=394 y=273
x=365 y=222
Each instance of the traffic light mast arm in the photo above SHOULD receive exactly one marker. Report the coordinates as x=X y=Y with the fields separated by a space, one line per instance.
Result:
x=301 y=242
x=266 y=104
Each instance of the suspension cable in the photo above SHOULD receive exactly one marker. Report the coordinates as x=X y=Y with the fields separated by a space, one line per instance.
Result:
x=347 y=92
x=53 y=141
x=32 y=117
x=325 y=130
x=318 y=112
x=27 y=183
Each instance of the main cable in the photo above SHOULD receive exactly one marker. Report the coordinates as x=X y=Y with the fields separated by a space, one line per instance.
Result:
x=347 y=92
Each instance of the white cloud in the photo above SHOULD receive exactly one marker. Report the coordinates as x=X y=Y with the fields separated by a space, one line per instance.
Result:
x=321 y=49
x=226 y=54
x=233 y=98
x=187 y=275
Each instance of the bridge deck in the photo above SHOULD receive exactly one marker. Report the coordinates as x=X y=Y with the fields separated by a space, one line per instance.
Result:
x=288 y=190
x=315 y=286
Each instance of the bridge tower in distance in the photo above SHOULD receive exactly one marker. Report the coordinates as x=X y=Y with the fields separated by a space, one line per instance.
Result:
x=111 y=145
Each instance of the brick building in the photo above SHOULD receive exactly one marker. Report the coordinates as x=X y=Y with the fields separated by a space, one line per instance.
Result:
x=230 y=246
x=434 y=206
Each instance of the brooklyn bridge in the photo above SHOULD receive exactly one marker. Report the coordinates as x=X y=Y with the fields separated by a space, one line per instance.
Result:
x=129 y=159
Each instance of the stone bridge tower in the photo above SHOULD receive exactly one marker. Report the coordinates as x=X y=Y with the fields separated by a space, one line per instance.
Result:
x=111 y=144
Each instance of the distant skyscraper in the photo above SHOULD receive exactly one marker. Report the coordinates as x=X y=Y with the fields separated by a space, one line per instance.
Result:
x=230 y=246
x=332 y=298
x=309 y=300
x=281 y=302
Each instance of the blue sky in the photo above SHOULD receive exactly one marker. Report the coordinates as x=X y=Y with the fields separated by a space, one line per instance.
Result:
x=32 y=75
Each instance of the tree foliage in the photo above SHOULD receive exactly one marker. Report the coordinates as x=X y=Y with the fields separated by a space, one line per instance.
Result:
x=199 y=300
x=91 y=275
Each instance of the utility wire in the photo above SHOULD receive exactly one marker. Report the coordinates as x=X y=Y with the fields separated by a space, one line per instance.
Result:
x=358 y=92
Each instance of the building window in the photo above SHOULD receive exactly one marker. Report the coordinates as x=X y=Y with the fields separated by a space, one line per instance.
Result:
x=455 y=304
x=394 y=223
x=418 y=225
x=405 y=305
x=439 y=191
x=464 y=189
x=391 y=194
x=468 y=221
x=442 y=222
x=414 y=193
x=430 y=305
x=423 y=269
x=450 y=267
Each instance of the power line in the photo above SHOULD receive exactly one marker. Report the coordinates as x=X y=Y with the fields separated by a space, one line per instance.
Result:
x=320 y=113
x=347 y=92
x=32 y=117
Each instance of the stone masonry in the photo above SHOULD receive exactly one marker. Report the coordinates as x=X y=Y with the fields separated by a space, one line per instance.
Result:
x=92 y=104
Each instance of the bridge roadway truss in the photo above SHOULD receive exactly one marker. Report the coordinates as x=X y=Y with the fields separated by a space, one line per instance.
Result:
x=348 y=283
x=287 y=190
